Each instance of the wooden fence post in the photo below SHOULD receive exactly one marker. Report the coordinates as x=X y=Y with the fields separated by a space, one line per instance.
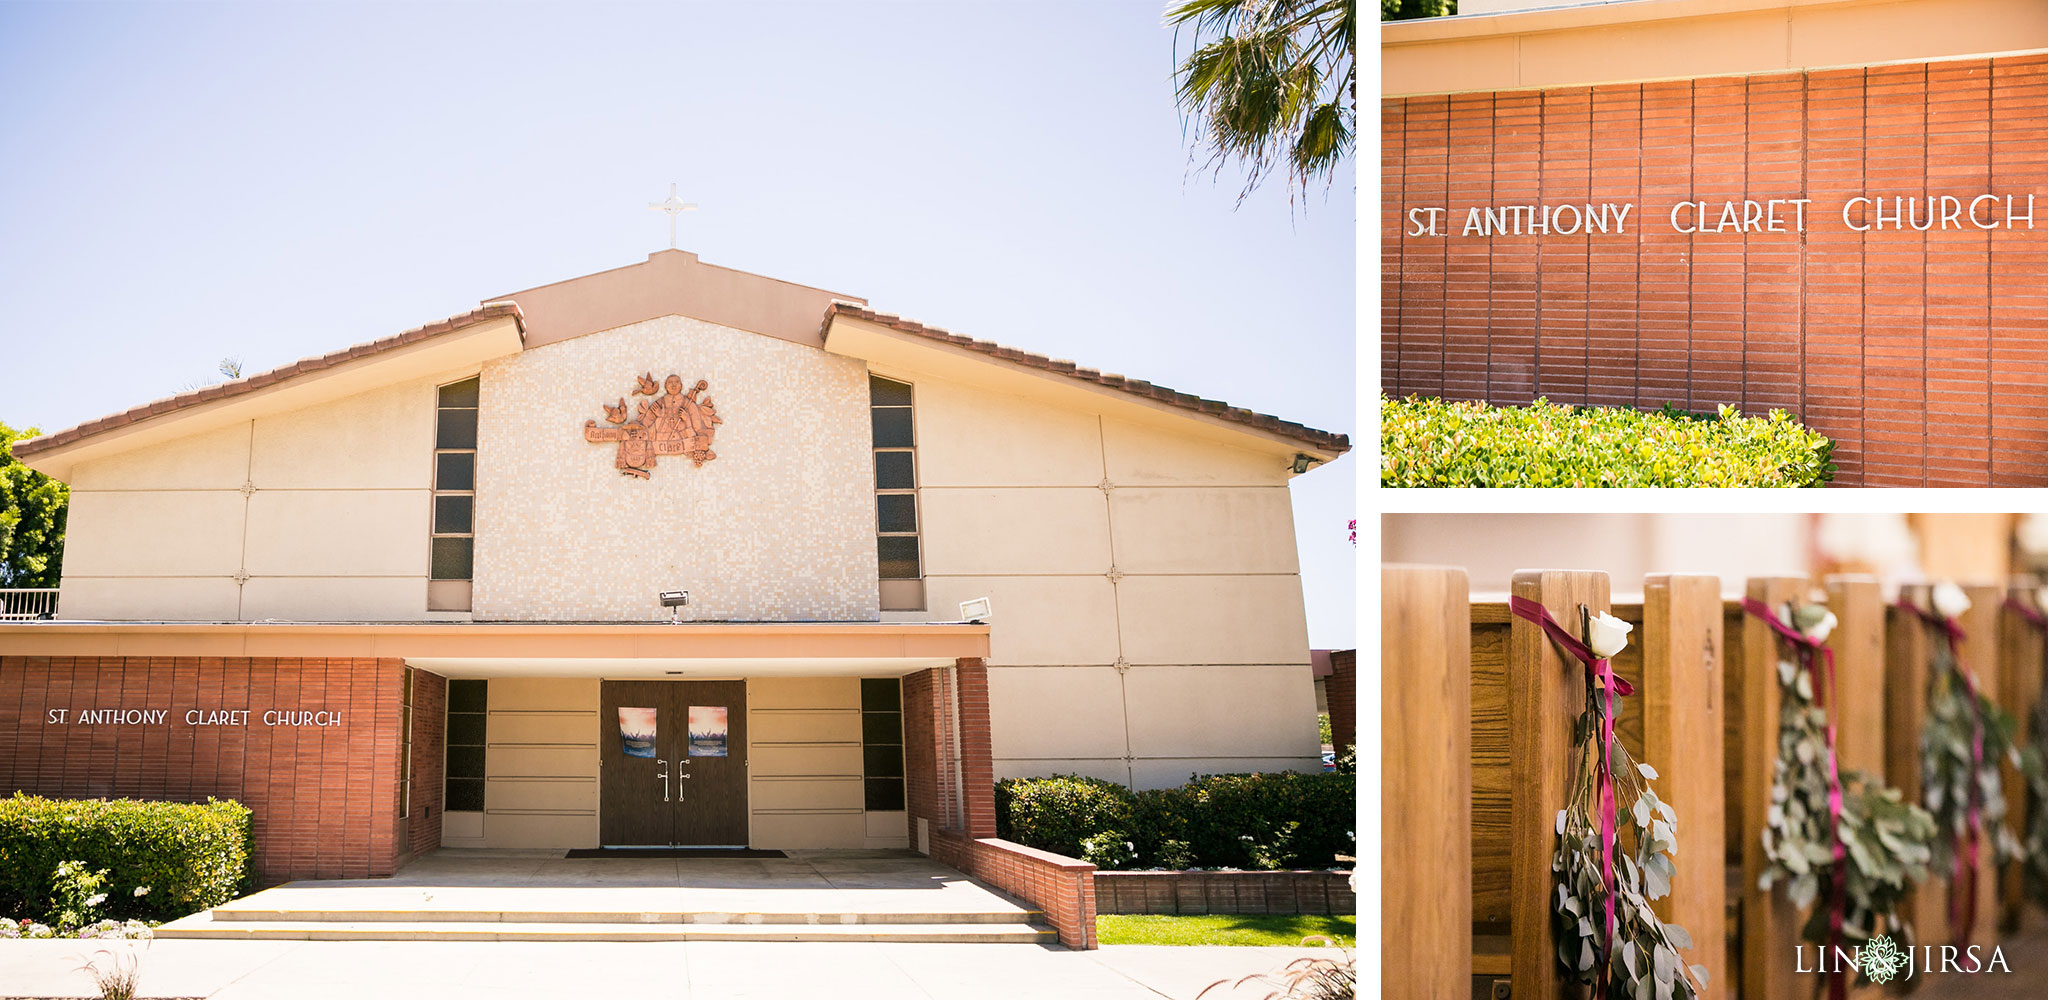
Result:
x=2020 y=645
x=1426 y=791
x=1983 y=651
x=1682 y=725
x=1908 y=644
x=1546 y=693
x=1858 y=700
x=1770 y=923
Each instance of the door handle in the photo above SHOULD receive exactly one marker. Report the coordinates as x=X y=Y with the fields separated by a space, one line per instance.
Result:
x=664 y=778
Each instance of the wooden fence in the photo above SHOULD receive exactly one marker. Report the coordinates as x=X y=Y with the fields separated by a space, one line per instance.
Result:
x=1477 y=710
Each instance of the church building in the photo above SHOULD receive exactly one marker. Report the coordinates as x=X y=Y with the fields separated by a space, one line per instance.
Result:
x=668 y=555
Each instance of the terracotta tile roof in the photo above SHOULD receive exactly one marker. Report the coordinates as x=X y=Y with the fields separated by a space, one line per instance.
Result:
x=225 y=390
x=1324 y=440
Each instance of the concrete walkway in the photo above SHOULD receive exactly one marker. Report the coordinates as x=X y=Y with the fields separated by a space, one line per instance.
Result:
x=452 y=881
x=463 y=970
x=542 y=896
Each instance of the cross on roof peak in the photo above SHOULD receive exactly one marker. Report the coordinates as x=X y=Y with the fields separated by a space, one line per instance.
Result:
x=674 y=206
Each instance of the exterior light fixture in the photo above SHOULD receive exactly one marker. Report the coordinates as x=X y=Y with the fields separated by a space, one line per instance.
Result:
x=1302 y=462
x=673 y=599
x=976 y=610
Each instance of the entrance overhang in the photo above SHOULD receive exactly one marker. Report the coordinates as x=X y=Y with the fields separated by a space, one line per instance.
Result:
x=674 y=669
x=559 y=648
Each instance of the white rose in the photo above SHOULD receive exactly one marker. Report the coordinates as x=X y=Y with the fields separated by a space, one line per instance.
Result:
x=1607 y=635
x=2032 y=534
x=1950 y=601
x=1815 y=622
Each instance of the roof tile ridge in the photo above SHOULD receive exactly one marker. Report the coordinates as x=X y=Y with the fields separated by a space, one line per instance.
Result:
x=1138 y=387
x=250 y=383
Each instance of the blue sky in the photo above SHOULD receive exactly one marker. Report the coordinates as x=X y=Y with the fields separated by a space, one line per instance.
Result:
x=185 y=182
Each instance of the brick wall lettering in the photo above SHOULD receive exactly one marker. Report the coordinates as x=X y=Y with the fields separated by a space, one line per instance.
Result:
x=325 y=797
x=1900 y=325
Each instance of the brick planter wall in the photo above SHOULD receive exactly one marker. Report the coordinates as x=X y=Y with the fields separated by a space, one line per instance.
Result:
x=1916 y=351
x=1060 y=886
x=325 y=798
x=961 y=822
x=1314 y=893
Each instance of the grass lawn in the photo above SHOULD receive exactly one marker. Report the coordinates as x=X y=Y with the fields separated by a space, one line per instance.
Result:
x=1126 y=928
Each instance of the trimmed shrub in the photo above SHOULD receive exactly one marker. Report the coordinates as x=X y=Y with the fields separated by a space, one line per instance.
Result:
x=1248 y=821
x=1435 y=442
x=1059 y=813
x=1268 y=821
x=189 y=857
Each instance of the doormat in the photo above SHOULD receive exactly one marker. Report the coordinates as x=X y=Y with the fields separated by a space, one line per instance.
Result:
x=706 y=853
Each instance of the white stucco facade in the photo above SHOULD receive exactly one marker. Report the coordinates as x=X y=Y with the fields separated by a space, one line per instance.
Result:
x=1146 y=588
x=314 y=514
x=779 y=527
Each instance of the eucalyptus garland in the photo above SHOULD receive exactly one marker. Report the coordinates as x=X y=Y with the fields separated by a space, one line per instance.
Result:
x=1888 y=841
x=1643 y=963
x=1954 y=716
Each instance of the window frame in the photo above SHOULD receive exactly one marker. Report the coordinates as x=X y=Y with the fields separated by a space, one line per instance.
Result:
x=898 y=593
x=448 y=745
x=451 y=593
x=896 y=784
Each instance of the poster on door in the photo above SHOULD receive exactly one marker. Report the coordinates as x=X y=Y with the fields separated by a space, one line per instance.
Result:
x=707 y=730
x=636 y=731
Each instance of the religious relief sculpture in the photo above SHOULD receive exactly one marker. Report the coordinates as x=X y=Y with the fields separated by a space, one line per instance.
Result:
x=678 y=423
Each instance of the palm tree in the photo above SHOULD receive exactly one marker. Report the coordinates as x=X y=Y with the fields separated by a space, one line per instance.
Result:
x=1271 y=83
x=1403 y=10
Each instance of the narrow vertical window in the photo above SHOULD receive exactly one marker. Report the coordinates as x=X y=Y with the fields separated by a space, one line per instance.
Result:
x=881 y=737
x=896 y=546
x=453 y=536
x=468 y=711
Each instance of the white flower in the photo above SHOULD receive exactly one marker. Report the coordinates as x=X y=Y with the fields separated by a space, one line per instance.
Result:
x=2032 y=534
x=1607 y=635
x=142 y=890
x=96 y=900
x=1950 y=601
x=2041 y=598
x=1815 y=622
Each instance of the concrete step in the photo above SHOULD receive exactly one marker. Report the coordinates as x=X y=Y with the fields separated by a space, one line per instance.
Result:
x=232 y=913
x=202 y=925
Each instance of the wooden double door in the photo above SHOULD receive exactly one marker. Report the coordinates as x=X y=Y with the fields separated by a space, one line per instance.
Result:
x=674 y=771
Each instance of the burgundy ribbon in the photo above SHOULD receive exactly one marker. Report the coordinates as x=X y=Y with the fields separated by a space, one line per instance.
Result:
x=1602 y=673
x=1962 y=906
x=1838 y=986
x=2027 y=611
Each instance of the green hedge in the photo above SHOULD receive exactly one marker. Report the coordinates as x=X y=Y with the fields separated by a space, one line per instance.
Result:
x=1435 y=442
x=191 y=857
x=1248 y=821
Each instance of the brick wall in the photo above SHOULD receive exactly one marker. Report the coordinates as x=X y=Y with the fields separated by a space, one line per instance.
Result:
x=922 y=751
x=1916 y=351
x=429 y=754
x=977 y=764
x=1061 y=887
x=325 y=798
x=1317 y=893
x=1341 y=688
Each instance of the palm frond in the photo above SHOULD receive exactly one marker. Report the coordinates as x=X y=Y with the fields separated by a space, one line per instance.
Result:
x=1271 y=84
